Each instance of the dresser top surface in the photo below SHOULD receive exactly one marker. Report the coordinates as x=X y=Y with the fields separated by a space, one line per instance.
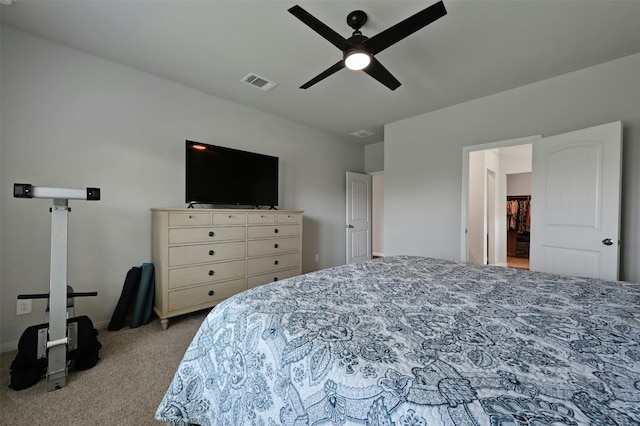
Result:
x=196 y=210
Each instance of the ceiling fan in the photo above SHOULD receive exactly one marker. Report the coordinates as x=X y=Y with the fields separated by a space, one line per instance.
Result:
x=359 y=51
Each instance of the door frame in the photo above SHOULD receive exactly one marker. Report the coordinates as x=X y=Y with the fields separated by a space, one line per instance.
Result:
x=465 y=181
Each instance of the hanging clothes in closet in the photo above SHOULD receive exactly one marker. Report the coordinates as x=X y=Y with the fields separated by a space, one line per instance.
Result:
x=519 y=213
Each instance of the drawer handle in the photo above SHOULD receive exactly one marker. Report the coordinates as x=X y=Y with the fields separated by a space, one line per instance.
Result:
x=211 y=292
x=211 y=233
x=275 y=231
x=211 y=272
x=190 y=217
x=275 y=246
x=275 y=262
x=275 y=278
x=230 y=216
x=211 y=252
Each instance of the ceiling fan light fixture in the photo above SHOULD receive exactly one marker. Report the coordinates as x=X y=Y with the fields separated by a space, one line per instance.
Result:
x=357 y=59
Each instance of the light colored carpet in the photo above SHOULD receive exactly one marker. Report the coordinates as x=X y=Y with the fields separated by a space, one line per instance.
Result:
x=124 y=388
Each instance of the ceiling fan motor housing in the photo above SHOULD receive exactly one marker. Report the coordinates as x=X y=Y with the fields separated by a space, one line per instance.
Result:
x=356 y=19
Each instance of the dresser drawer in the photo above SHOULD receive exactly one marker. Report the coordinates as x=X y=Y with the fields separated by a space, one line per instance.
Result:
x=273 y=246
x=266 y=218
x=184 y=277
x=272 y=263
x=272 y=231
x=288 y=218
x=191 y=219
x=201 y=253
x=205 y=295
x=229 y=218
x=203 y=235
x=257 y=280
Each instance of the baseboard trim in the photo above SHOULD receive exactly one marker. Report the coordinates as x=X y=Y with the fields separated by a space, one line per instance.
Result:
x=9 y=346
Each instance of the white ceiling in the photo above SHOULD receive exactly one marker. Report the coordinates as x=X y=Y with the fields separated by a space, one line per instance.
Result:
x=479 y=48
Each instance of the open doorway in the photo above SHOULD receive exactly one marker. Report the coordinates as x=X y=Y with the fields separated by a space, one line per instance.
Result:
x=490 y=167
x=364 y=216
x=518 y=209
x=575 y=201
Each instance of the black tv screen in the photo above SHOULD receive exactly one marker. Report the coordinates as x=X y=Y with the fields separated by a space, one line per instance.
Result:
x=226 y=176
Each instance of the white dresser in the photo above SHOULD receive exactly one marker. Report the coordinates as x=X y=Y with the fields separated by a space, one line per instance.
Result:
x=203 y=256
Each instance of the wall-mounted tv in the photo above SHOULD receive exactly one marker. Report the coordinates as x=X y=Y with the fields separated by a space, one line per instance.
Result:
x=225 y=176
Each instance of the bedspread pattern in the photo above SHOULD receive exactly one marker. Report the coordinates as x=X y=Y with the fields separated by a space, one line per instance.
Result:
x=415 y=341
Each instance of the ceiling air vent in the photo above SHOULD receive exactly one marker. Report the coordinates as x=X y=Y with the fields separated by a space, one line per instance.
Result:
x=361 y=133
x=259 y=82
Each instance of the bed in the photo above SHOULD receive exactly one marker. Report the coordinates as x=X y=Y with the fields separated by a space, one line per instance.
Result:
x=415 y=341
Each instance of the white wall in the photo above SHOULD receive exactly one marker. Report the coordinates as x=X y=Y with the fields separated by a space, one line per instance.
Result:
x=476 y=247
x=423 y=154
x=377 y=214
x=374 y=157
x=494 y=193
x=519 y=184
x=481 y=225
x=70 y=119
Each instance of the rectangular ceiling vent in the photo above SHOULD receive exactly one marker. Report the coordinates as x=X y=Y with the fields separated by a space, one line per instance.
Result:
x=361 y=133
x=259 y=82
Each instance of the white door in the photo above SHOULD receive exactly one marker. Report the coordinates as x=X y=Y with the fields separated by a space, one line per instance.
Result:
x=575 y=202
x=358 y=217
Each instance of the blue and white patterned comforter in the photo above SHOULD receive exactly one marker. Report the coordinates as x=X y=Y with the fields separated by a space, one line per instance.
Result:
x=415 y=341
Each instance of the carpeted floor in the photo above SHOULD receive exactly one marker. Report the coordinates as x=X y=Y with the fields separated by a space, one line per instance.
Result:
x=124 y=388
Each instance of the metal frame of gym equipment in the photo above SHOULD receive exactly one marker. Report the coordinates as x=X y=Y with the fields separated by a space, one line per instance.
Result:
x=54 y=341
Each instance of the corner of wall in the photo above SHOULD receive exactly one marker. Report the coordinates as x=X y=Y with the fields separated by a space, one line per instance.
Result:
x=374 y=157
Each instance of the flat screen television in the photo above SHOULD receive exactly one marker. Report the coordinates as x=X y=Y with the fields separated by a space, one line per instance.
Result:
x=225 y=176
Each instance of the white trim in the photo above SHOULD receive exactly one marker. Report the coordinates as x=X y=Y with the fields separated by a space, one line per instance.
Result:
x=9 y=346
x=465 y=179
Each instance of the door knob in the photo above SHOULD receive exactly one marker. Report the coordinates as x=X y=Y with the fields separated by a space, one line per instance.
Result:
x=350 y=226
x=607 y=242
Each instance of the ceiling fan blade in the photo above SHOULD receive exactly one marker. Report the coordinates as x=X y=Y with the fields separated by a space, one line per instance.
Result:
x=324 y=74
x=380 y=73
x=315 y=24
x=394 y=34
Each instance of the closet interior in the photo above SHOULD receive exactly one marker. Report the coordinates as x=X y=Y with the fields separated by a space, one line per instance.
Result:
x=518 y=226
